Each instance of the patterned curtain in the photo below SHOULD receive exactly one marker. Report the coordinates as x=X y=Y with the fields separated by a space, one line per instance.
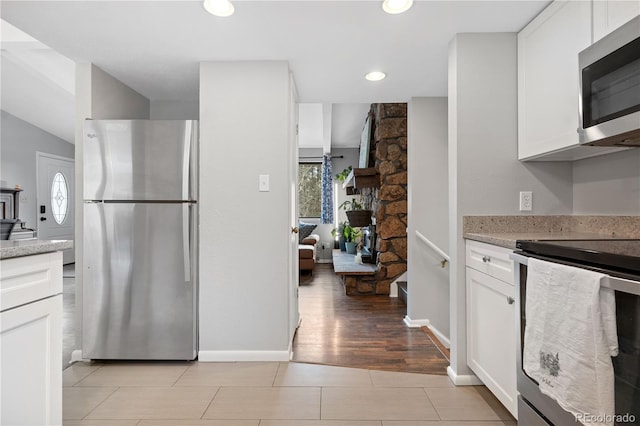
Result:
x=326 y=215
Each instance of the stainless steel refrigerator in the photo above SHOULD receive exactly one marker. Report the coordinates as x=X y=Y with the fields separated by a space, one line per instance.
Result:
x=140 y=239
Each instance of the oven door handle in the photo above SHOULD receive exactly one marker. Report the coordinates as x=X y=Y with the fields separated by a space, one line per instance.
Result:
x=614 y=283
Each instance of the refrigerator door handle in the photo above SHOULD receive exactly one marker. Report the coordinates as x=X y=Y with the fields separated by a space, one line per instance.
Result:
x=186 y=241
x=186 y=157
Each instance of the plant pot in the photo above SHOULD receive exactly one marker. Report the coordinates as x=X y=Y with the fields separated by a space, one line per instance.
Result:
x=351 y=247
x=341 y=242
x=359 y=218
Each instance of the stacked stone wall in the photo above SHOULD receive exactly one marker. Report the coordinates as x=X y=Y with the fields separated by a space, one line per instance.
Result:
x=390 y=200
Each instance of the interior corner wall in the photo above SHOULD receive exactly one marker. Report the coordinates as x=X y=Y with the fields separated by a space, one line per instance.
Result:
x=244 y=234
x=428 y=203
x=485 y=176
x=608 y=184
x=98 y=96
x=20 y=142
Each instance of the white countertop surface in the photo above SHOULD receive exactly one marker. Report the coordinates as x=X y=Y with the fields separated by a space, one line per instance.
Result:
x=18 y=248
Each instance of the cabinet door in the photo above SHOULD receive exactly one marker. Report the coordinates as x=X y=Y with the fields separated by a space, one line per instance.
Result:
x=31 y=368
x=491 y=335
x=548 y=77
x=610 y=14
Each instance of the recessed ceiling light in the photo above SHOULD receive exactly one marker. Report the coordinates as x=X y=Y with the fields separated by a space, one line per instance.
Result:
x=375 y=76
x=396 y=6
x=221 y=8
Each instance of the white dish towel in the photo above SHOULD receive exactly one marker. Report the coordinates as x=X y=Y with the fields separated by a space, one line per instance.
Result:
x=570 y=337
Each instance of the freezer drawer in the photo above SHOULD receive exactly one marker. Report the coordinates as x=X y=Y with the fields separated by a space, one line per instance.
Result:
x=139 y=159
x=139 y=289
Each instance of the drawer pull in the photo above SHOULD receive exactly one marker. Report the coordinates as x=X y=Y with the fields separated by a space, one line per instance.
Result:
x=510 y=300
x=486 y=259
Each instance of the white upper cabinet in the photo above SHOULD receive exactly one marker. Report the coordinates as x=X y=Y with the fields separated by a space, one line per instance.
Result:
x=609 y=15
x=548 y=82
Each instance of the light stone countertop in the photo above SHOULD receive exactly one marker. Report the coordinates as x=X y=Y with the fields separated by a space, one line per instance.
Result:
x=506 y=230
x=19 y=248
x=508 y=239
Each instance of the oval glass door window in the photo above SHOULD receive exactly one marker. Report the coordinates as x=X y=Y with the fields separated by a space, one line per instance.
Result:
x=59 y=198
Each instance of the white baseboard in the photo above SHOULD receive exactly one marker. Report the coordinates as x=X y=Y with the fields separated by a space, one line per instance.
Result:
x=463 y=380
x=76 y=355
x=415 y=323
x=324 y=261
x=426 y=323
x=232 y=356
x=393 y=289
x=443 y=339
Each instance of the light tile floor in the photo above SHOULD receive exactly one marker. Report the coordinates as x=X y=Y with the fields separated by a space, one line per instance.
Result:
x=268 y=394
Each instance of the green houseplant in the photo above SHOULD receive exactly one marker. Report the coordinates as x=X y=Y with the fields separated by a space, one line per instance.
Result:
x=342 y=176
x=357 y=213
x=339 y=232
x=351 y=235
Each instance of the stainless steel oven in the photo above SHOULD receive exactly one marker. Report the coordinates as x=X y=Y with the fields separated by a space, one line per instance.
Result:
x=620 y=260
x=609 y=104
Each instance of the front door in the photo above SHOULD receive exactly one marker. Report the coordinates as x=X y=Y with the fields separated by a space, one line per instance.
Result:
x=55 y=200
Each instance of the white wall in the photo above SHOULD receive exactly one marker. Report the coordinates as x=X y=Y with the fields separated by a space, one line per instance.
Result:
x=428 y=203
x=607 y=185
x=98 y=96
x=485 y=176
x=244 y=234
x=20 y=142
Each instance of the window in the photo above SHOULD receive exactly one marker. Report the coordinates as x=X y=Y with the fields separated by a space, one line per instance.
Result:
x=309 y=189
x=59 y=198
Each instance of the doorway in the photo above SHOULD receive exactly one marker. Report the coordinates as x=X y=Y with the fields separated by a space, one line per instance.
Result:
x=55 y=200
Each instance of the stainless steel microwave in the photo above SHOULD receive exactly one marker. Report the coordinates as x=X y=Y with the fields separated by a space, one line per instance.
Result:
x=610 y=89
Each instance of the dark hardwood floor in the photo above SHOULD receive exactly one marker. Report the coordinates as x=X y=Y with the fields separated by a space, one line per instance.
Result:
x=359 y=331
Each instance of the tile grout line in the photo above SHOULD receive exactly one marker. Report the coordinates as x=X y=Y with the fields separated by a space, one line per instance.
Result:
x=182 y=374
x=210 y=402
x=100 y=403
x=273 y=383
x=424 y=389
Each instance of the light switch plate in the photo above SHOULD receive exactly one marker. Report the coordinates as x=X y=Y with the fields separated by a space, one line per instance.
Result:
x=263 y=183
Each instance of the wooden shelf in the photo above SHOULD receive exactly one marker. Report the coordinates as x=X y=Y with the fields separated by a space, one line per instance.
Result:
x=362 y=178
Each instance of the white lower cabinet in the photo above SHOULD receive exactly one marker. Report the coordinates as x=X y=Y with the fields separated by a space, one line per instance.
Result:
x=31 y=341
x=491 y=328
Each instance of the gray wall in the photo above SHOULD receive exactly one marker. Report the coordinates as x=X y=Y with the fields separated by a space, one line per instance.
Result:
x=20 y=142
x=245 y=130
x=428 y=198
x=98 y=96
x=174 y=110
x=485 y=176
x=608 y=185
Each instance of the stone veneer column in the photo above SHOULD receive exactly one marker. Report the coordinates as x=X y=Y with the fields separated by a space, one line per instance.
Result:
x=390 y=200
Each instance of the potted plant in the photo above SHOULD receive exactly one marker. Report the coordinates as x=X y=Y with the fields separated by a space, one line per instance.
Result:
x=339 y=232
x=343 y=175
x=351 y=234
x=356 y=212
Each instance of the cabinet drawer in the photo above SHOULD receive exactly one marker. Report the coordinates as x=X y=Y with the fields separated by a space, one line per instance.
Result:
x=29 y=278
x=490 y=259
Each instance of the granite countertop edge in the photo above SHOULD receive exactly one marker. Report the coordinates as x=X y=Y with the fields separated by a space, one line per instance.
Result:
x=508 y=239
x=19 y=248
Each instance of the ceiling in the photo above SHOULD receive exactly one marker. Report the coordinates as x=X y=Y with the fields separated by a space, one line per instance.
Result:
x=155 y=46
